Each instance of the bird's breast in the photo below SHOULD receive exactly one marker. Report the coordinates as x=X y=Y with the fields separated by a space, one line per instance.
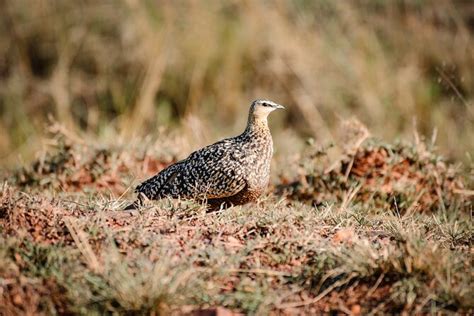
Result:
x=257 y=159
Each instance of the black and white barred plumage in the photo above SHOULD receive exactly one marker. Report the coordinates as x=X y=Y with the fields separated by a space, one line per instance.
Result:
x=232 y=171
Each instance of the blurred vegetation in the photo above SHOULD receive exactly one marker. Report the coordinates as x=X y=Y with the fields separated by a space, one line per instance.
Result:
x=129 y=67
x=127 y=87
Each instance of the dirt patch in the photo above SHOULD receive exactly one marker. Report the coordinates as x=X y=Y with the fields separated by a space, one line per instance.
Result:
x=20 y=295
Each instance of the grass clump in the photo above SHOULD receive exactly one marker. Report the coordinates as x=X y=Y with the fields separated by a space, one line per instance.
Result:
x=401 y=178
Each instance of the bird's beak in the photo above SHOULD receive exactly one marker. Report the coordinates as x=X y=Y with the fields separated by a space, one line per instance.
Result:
x=278 y=106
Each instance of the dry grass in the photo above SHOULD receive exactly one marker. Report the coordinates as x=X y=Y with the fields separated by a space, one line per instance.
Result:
x=128 y=66
x=68 y=248
x=350 y=224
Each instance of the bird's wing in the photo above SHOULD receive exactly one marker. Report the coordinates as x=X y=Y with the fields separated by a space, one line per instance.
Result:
x=211 y=172
x=152 y=187
x=216 y=171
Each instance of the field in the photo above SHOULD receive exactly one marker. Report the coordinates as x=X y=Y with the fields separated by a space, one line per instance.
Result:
x=370 y=205
x=382 y=228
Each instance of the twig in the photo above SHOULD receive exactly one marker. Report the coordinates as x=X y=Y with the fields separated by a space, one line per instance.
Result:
x=83 y=245
x=453 y=86
x=349 y=168
x=350 y=196
x=413 y=204
x=376 y=285
x=464 y=192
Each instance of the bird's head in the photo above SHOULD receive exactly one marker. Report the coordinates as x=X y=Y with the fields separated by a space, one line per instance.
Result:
x=261 y=108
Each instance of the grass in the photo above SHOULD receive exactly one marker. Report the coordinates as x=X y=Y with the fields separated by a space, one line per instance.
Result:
x=96 y=96
x=126 y=67
x=68 y=248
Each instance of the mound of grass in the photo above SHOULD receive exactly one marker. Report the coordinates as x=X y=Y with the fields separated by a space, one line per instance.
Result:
x=402 y=178
x=72 y=166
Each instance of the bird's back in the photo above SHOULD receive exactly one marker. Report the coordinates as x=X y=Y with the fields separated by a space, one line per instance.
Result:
x=211 y=172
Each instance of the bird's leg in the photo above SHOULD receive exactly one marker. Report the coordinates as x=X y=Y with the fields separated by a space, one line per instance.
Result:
x=215 y=205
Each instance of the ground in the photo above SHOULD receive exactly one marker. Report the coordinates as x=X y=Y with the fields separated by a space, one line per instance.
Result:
x=381 y=228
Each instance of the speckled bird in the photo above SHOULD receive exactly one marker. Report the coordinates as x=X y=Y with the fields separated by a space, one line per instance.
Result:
x=233 y=171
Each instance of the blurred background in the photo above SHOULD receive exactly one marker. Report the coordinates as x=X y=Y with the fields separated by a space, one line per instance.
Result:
x=130 y=68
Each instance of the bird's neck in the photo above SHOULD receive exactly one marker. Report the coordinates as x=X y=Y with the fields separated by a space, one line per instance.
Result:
x=257 y=125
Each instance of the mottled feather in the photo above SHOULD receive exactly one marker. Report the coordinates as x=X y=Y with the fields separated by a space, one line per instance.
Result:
x=232 y=171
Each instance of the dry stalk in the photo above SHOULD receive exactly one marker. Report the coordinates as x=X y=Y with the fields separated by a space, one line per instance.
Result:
x=80 y=238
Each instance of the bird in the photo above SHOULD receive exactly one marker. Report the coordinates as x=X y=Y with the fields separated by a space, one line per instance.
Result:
x=230 y=172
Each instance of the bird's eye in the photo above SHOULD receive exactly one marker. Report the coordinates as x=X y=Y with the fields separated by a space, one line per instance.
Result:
x=265 y=104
